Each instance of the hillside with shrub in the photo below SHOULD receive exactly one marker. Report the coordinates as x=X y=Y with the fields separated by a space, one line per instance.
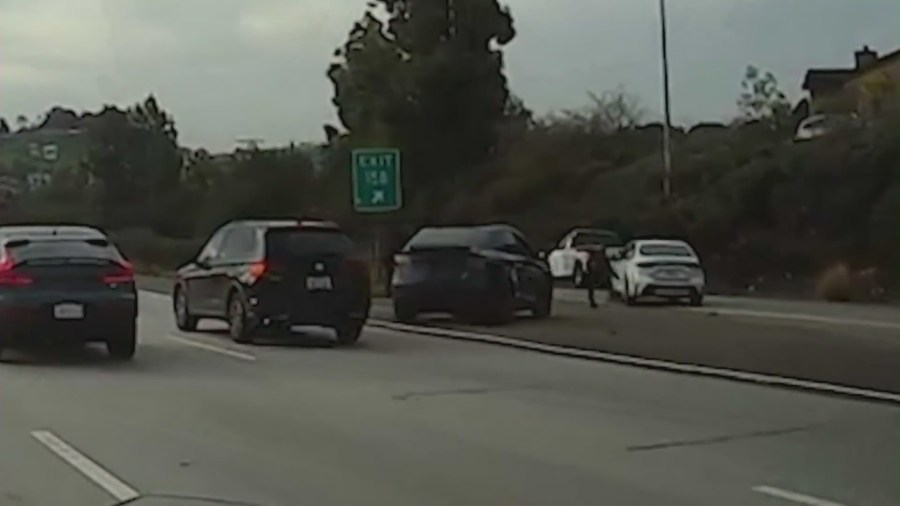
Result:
x=767 y=214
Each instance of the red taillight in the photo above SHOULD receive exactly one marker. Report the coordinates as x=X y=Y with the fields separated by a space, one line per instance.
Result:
x=123 y=274
x=258 y=270
x=9 y=276
x=356 y=267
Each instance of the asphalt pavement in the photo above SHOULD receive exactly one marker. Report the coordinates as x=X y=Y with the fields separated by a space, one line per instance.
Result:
x=405 y=419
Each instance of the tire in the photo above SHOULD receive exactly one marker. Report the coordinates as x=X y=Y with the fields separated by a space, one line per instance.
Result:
x=348 y=333
x=578 y=276
x=544 y=305
x=240 y=327
x=696 y=299
x=123 y=347
x=404 y=312
x=184 y=320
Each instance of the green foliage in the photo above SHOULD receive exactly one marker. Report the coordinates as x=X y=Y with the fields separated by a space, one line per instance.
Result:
x=427 y=79
x=762 y=100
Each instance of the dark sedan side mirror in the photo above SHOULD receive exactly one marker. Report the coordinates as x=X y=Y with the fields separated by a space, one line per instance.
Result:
x=202 y=263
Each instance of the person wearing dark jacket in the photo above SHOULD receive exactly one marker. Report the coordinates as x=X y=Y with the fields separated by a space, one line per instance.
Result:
x=595 y=269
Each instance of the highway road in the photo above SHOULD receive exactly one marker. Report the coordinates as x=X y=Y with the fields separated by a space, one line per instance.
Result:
x=406 y=419
x=873 y=316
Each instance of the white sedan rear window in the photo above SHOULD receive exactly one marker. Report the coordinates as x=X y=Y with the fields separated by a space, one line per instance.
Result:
x=666 y=250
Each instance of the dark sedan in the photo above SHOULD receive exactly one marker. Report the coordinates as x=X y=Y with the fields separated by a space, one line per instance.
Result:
x=65 y=284
x=485 y=273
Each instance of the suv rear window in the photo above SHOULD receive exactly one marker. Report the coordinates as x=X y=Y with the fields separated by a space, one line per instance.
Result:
x=63 y=249
x=299 y=243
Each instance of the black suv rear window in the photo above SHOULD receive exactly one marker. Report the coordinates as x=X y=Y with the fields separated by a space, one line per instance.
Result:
x=300 y=243
x=62 y=249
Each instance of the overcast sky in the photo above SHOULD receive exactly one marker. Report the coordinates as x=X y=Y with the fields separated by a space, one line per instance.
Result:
x=231 y=69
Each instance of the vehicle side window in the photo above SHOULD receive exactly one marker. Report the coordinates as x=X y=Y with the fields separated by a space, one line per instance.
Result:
x=239 y=245
x=524 y=247
x=211 y=251
x=245 y=247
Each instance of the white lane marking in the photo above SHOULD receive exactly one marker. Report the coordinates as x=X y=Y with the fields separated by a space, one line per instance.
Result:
x=798 y=498
x=797 y=317
x=90 y=469
x=213 y=348
x=568 y=295
x=664 y=365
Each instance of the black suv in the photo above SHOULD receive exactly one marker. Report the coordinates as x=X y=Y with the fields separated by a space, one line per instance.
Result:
x=274 y=275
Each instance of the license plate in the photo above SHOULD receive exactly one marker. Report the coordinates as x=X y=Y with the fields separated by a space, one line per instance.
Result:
x=671 y=292
x=68 y=312
x=319 y=283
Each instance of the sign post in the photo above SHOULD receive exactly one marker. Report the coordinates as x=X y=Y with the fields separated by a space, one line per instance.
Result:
x=377 y=188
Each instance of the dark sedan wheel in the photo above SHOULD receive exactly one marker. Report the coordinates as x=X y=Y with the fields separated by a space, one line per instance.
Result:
x=184 y=320
x=123 y=346
x=404 y=312
x=544 y=305
x=348 y=333
x=240 y=327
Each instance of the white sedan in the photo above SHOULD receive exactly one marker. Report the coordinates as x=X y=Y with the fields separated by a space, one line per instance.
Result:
x=569 y=260
x=656 y=268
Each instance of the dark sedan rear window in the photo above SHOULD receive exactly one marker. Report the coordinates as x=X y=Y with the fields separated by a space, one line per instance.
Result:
x=298 y=243
x=61 y=250
x=451 y=238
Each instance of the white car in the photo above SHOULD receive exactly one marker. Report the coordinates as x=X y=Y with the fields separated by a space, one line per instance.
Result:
x=569 y=260
x=656 y=268
x=812 y=127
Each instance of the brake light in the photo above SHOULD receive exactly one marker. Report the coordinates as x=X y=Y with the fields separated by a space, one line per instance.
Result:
x=9 y=276
x=258 y=270
x=124 y=274
x=356 y=267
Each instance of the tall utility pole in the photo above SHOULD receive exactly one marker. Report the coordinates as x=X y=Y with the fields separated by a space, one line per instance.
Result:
x=667 y=127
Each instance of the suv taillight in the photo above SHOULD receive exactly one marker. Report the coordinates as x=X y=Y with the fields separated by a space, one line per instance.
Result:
x=124 y=273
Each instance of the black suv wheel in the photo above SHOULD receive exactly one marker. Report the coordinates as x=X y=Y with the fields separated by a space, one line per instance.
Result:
x=240 y=325
x=123 y=346
x=348 y=333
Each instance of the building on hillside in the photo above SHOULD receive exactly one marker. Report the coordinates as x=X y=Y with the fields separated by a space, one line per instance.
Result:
x=865 y=89
x=33 y=156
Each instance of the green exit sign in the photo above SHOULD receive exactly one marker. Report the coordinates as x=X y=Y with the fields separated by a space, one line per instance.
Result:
x=376 y=180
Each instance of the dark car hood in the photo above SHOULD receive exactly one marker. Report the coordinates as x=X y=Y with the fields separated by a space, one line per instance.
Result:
x=182 y=500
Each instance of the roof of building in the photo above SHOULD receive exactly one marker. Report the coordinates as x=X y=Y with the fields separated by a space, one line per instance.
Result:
x=832 y=78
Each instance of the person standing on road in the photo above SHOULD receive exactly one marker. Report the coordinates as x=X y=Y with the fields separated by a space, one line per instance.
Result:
x=592 y=276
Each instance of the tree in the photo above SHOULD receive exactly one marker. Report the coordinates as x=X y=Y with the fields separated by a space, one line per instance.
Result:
x=762 y=100
x=4 y=126
x=134 y=156
x=427 y=78
x=22 y=122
